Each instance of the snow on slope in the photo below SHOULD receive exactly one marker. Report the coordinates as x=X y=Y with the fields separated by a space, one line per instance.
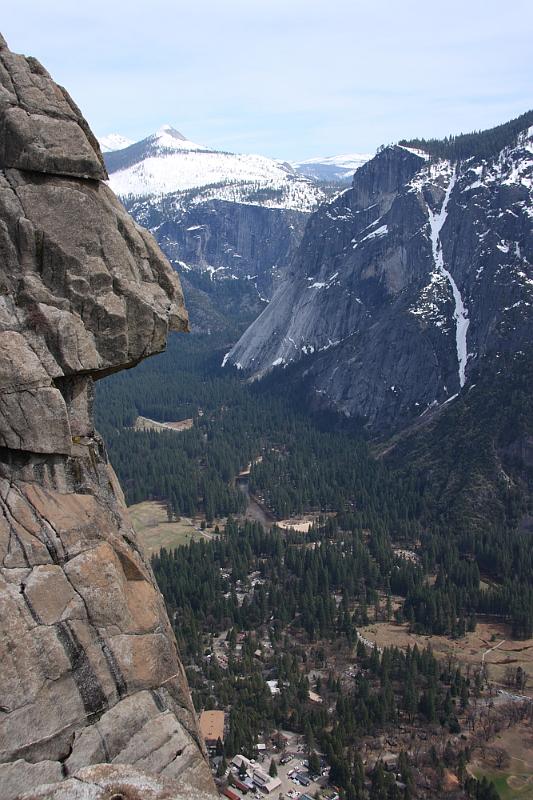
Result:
x=436 y=222
x=169 y=163
x=167 y=138
x=336 y=168
x=114 y=141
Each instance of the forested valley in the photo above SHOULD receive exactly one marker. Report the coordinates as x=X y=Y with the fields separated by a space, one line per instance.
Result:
x=298 y=464
x=395 y=541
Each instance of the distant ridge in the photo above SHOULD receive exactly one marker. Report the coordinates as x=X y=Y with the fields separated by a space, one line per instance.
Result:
x=167 y=163
x=114 y=141
x=481 y=144
x=332 y=168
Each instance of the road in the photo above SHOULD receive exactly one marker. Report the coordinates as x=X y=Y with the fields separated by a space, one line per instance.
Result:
x=254 y=510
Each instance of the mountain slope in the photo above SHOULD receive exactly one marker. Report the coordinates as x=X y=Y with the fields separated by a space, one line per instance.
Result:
x=218 y=216
x=114 y=141
x=168 y=163
x=474 y=457
x=404 y=282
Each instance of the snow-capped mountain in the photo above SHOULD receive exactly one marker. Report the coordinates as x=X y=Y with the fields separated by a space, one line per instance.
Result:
x=220 y=217
x=167 y=163
x=332 y=168
x=114 y=141
x=407 y=281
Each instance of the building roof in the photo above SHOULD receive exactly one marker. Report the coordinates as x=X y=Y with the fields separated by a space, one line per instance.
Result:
x=212 y=725
x=266 y=781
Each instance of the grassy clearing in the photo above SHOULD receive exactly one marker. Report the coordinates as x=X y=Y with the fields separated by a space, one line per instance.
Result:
x=151 y=524
x=514 y=781
x=509 y=785
x=301 y=524
x=467 y=650
x=145 y=424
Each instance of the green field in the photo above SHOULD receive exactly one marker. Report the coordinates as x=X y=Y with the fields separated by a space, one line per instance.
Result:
x=510 y=785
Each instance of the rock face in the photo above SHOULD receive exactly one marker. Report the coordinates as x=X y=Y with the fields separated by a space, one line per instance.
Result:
x=227 y=240
x=93 y=697
x=229 y=223
x=403 y=284
x=230 y=255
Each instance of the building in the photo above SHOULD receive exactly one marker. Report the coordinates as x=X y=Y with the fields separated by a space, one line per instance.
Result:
x=264 y=782
x=212 y=727
x=238 y=761
x=260 y=778
x=302 y=779
x=243 y=787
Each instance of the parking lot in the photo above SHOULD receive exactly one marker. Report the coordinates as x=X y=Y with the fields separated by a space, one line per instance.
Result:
x=292 y=771
x=290 y=785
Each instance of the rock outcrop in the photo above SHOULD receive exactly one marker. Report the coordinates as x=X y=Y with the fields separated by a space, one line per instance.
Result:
x=93 y=698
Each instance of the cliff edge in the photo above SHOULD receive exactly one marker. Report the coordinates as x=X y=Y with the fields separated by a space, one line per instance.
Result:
x=94 y=701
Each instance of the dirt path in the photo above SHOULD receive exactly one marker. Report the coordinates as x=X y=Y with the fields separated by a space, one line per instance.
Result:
x=490 y=651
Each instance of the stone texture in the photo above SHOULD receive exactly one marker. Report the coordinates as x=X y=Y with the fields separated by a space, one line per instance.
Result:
x=90 y=668
x=23 y=775
x=106 y=781
x=42 y=130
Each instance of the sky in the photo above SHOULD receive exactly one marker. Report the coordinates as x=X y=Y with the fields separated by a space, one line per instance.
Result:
x=289 y=79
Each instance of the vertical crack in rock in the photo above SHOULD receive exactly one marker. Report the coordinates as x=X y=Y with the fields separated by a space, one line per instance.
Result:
x=89 y=687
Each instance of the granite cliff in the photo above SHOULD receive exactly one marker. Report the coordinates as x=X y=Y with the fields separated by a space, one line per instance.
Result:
x=405 y=283
x=94 y=701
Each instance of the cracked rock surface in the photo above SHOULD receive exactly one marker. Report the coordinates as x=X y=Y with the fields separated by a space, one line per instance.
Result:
x=93 y=697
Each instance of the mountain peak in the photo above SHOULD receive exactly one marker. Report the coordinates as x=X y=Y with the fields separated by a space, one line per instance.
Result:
x=169 y=138
x=171 y=131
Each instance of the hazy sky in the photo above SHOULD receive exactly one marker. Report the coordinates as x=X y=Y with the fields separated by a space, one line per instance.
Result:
x=290 y=79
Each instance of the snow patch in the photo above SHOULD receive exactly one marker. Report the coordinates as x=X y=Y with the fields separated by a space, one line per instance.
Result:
x=113 y=142
x=377 y=234
x=416 y=152
x=436 y=222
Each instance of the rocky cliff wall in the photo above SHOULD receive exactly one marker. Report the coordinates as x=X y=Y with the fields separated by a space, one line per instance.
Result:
x=94 y=701
x=403 y=285
x=237 y=240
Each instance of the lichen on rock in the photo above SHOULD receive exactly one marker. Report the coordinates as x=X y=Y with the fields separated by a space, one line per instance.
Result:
x=93 y=695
